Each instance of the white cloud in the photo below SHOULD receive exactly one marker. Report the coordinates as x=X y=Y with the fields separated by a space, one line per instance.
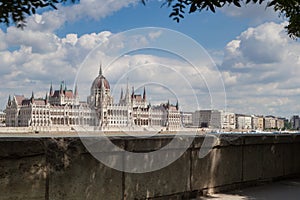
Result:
x=3 y=44
x=86 y=9
x=255 y=13
x=260 y=70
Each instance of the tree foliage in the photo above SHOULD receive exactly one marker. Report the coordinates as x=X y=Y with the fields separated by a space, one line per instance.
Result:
x=289 y=9
x=15 y=11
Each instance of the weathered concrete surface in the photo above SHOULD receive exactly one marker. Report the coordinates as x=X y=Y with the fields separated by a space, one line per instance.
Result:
x=62 y=168
x=172 y=179
x=23 y=178
x=252 y=162
x=85 y=178
x=221 y=166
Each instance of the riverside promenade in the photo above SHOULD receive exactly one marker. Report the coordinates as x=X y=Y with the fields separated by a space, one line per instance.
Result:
x=280 y=190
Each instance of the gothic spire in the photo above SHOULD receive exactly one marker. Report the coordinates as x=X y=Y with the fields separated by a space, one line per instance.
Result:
x=9 y=100
x=61 y=88
x=132 y=94
x=51 y=90
x=32 y=97
x=46 y=98
x=65 y=86
x=144 y=95
x=100 y=70
x=121 y=96
x=76 y=91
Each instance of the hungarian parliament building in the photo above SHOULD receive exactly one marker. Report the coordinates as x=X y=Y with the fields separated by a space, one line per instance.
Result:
x=62 y=108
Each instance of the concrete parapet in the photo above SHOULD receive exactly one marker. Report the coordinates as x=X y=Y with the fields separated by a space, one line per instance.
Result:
x=62 y=168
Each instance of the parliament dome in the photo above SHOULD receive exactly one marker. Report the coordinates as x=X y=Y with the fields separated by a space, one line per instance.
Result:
x=99 y=80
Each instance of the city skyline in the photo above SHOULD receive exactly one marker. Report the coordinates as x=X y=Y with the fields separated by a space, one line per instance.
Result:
x=256 y=59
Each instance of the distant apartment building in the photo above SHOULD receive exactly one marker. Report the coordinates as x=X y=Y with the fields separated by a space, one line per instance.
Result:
x=201 y=118
x=229 y=121
x=208 y=119
x=270 y=122
x=295 y=122
x=243 y=121
x=258 y=122
x=280 y=123
x=186 y=119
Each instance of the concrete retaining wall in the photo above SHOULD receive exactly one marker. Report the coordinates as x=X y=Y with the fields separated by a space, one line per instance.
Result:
x=61 y=168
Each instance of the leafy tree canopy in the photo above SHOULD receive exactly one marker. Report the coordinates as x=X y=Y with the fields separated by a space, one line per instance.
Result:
x=15 y=11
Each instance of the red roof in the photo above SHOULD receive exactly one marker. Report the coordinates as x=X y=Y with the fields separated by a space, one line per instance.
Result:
x=69 y=93
x=19 y=99
x=98 y=82
x=40 y=102
x=138 y=97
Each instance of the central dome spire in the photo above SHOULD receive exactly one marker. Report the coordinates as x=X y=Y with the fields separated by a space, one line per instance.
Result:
x=100 y=70
x=100 y=79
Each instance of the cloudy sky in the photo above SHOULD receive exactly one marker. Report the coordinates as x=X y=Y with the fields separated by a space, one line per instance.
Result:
x=237 y=59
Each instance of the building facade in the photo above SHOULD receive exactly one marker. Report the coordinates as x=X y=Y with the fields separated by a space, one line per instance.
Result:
x=243 y=122
x=187 y=119
x=258 y=123
x=295 y=122
x=229 y=121
x=59 y=108
x=132 y=110
x=208 y=119
x=63 y=108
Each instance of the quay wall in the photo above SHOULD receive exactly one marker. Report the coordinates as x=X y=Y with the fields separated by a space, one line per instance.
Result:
x=60 y=168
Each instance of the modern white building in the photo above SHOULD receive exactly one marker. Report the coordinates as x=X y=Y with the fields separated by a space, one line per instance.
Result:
x=243 y=122
x=208 y=119
x=229 y=121
x=295 y=122
x=187 y=119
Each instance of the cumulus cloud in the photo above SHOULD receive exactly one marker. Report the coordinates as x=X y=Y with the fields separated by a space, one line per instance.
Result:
x=255 y=13
x=87 y=9
x=260 y=67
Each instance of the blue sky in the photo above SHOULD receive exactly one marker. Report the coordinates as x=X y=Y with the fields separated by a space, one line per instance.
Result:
x=212 y=30
x=254 y=59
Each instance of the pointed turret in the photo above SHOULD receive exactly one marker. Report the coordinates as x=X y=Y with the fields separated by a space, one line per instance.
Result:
x=100 y=70
x=144 y=95
x=121 y=96
x=65 y=87
x=32 y=97
x=177 y=105
x=76 y=91
x=46 y=98
x=9 y=101
x=61 y=88
x=132 y=94
x=51 y=90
